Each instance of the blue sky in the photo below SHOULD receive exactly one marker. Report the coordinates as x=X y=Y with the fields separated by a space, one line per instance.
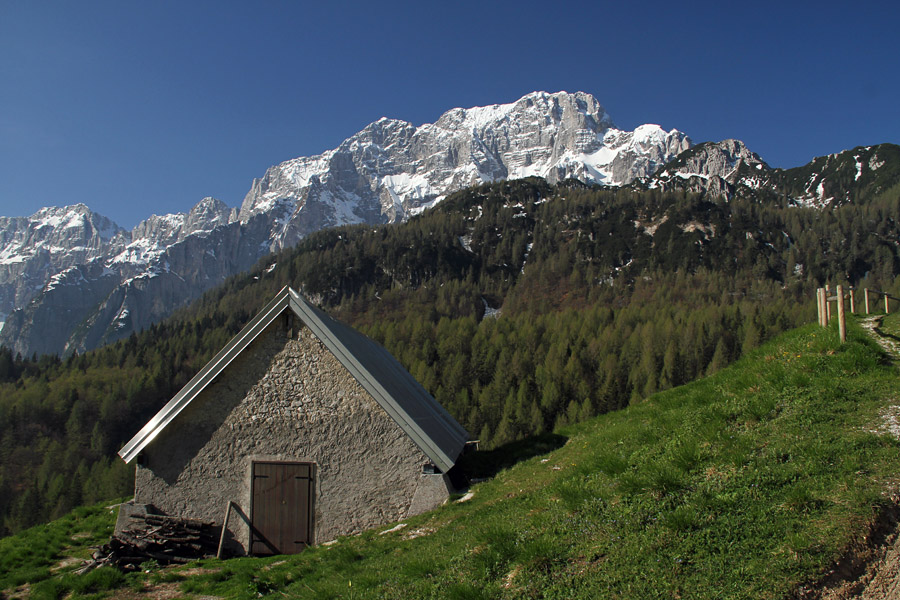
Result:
x=136 y=108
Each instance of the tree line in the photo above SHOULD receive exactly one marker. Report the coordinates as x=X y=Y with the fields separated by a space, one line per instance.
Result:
x=605 y=296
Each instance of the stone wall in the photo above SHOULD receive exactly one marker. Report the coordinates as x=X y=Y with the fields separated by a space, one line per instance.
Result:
x=287 y=399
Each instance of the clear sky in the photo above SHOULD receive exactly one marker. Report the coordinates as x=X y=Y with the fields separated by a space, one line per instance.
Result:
x=136 y=108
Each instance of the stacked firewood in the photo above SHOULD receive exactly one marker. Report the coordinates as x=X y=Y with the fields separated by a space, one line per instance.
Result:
x=161 y=538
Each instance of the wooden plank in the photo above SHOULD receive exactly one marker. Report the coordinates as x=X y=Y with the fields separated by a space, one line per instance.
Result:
x=281 y=510
x=264 y=485
x=224 y=529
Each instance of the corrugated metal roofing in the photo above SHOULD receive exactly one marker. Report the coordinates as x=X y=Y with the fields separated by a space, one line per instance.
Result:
x=425 y=421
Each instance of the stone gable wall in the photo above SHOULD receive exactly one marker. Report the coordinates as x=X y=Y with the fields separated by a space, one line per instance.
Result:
x=287 y=399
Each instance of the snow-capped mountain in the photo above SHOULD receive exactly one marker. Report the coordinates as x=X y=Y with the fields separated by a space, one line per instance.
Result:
x=34 y=249
x=152 y=236
x=71 y=279
x=729 y=168
x=391 y=169
x=835 y=179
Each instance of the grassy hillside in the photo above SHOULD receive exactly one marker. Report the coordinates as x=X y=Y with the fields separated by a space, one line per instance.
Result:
x=747 y=484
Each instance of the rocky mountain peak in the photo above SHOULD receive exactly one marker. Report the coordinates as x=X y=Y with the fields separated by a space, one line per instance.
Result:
x=56 y=231
x=161 y=229
x=720 y=168
x=76 y=219
x=721 y=159
x=206 y=215
x=383 y=132
x=391 y=169
x=35 y=248
x=165 y=230
x=578 y=109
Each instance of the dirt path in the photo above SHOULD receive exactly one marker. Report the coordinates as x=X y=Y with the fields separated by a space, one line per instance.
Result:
x=872 y=570
x=873 y=325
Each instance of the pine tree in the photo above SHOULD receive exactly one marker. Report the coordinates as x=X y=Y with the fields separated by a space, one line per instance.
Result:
x=719 y=358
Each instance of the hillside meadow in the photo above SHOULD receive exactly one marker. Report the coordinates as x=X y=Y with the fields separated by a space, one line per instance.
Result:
x=750 y=483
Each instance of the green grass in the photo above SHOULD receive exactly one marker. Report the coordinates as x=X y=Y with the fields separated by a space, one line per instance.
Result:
x=34 y=555
x=746 y=484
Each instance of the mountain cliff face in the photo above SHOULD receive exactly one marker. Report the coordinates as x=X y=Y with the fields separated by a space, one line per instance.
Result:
x=71 y=280
x=721 y=168
x=87 y=282
x=35 y=249
x=391 y=169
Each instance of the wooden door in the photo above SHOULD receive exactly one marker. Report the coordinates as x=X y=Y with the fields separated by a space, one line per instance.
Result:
x=281 y=507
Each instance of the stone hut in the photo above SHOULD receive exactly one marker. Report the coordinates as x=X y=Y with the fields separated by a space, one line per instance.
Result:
x=308 y=427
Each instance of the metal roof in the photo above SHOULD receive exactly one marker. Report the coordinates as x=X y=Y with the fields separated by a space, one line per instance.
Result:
x=424 y=420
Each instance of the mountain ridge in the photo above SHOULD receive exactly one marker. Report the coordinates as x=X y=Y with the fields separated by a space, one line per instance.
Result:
x=65 y=286
x=387 y=172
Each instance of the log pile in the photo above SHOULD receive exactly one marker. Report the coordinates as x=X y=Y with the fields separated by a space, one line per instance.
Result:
x=162 y=538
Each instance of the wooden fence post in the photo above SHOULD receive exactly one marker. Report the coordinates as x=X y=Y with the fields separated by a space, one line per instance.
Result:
x=827 y=304
x=819 y=308
x=820 y=303
x=866 y=298
x=842 y=324
x=887 y=304
x=824 y=307
x=852 y=301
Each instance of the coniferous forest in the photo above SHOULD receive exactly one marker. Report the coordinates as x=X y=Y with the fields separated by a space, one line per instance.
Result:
x=519 y=305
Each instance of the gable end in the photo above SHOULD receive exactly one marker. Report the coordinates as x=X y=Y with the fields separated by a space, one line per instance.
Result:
x=420 y=416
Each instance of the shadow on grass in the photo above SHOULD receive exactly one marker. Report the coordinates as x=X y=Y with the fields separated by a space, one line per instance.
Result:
x=483 y=464
x=880 y=331
x=887 y=334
